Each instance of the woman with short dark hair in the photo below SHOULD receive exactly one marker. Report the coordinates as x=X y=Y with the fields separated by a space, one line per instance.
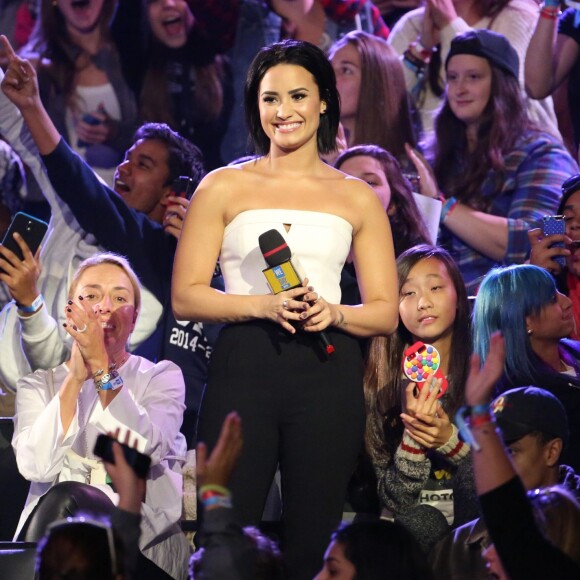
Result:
x=302 y=407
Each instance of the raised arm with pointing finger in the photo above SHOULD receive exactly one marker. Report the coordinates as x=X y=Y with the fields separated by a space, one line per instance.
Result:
x=39 y=340
x=139 y=218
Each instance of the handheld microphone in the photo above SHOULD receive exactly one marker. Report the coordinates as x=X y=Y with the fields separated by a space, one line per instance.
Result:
x=284 y=272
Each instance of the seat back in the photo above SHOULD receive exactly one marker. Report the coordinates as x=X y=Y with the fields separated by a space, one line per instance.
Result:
x=17 y=560
x=13 y=487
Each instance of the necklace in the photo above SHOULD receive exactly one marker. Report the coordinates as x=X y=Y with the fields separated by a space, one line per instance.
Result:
x=118 y=365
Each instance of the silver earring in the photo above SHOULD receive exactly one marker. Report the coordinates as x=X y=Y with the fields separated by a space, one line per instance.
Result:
x=529 y=331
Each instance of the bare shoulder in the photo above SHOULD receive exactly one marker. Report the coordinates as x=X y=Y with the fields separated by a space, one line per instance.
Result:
x=219 y=182
x=222 y=175
x=228 y=190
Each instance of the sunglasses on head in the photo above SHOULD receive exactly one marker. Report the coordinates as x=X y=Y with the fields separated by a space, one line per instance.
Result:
x=571 y=185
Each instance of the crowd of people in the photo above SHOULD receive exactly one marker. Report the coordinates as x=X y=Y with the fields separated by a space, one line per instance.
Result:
x=307 y=239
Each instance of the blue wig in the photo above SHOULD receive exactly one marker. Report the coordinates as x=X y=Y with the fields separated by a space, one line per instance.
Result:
x=505 y=298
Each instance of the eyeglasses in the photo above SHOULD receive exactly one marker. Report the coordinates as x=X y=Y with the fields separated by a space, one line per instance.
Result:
x=94 y=523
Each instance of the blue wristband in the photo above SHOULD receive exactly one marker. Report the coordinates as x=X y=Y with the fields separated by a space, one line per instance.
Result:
x=448 y=206
x=221 y=501
x=34 y=307
x=112 y=384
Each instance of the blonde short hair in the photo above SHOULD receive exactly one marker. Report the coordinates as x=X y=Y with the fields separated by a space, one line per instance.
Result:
x=114 y=260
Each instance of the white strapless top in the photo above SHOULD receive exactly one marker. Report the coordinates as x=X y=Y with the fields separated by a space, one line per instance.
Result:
x=320 y=241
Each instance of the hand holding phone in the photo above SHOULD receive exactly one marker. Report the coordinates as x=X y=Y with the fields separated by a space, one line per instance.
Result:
x=89 y=120
x=183 y=187
x=31 y=230
x=177 y=202
x=125 y=481
x=137 y=460
x=555 y=224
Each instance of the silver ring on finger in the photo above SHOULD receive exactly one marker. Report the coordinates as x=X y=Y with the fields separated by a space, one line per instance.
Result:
x=81 y=330
x=285 y=305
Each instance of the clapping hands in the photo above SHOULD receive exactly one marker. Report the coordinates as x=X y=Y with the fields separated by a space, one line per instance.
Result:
x=424 y=418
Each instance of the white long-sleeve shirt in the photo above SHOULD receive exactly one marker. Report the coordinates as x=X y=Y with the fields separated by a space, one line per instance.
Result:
x=150 y=405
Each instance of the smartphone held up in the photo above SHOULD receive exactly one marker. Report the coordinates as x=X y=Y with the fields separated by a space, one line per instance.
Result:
x=183 y=187
x=555 y=224
x=30 y=229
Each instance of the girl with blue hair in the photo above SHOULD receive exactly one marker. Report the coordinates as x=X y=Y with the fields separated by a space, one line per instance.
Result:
x=523 y=303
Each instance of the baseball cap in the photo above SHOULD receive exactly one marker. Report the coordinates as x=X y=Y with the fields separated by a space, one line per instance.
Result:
x=489 y=45
x=521 y=411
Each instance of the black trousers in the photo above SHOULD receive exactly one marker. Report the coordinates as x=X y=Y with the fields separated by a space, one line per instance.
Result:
x=300 y=409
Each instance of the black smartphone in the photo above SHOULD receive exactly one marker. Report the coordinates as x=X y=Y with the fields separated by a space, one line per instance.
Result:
x=555 y=224
x=183 y=187
x=30 y=228
x=137 y=460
